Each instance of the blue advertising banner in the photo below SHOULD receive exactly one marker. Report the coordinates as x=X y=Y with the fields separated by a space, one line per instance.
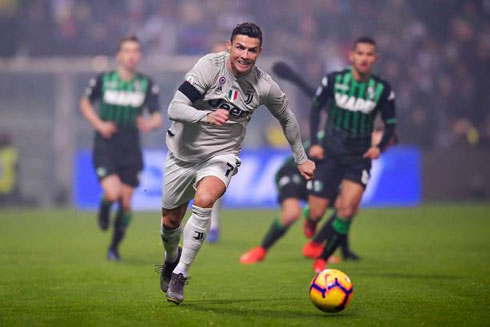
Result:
x=395 y=180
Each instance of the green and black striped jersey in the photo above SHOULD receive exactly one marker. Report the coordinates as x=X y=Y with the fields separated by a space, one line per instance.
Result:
x=352 y=106
x=123 y=101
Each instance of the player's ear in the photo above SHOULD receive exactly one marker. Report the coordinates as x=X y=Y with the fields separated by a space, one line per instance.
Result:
x=350 y=55
x=228 y=45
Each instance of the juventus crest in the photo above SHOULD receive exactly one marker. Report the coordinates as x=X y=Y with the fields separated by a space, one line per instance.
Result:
x=250 y=96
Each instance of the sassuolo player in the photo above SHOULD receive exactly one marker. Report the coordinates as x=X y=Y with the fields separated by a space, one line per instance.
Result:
x=292 y=191
x=121 y=96
x=353 y=98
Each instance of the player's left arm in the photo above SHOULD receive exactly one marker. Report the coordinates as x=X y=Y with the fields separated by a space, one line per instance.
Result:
x=388 y=115
x=153 y=105
x=278 y=105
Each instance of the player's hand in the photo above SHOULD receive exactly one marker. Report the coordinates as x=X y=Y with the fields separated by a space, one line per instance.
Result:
x=106 y=129
x=316 y=152
x=372 y=153
x=218 y=117
x=307 y=169
x=143 y=125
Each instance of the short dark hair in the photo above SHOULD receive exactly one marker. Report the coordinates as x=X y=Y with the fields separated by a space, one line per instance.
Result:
x=128 y=38
x=363 y=39
x=248 y=29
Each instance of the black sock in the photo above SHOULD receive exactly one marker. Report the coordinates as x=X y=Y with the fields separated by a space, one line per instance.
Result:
x=275 y=232
x=326 y=231
x=105 y=208
x=340 y=228
x=121 y=223
x=344 y=247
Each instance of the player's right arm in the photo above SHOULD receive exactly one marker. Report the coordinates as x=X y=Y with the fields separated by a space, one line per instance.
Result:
x=92 y=94
x=320 y=99
x=197 y=82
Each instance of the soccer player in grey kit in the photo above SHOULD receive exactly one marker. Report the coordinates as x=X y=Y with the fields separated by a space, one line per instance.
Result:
x=209 y=115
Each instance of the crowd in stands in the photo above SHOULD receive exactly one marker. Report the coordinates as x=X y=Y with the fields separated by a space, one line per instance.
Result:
x=435 y=53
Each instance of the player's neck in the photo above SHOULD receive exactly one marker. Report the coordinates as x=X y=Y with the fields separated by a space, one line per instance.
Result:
x=360 y=77
x=124 y=74
x=233 y=72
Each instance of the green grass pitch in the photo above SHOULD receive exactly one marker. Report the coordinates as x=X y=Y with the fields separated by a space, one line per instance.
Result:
x=425 y=266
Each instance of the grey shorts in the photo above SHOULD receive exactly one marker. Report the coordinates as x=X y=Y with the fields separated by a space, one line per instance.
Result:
x=181 y=177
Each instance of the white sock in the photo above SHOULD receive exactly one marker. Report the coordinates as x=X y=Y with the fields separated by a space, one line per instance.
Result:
x=195 y=232
x=170 y=240
x=215 y=215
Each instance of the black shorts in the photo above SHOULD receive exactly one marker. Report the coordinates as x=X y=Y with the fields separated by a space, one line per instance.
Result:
x=290 y=184
x=333 y=169
x=118 y=155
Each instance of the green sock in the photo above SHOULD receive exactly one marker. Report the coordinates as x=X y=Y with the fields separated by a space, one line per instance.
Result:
x=121 y=223
x=341 y=225
x=340 y=229
x=306 y=214
x=275 y=232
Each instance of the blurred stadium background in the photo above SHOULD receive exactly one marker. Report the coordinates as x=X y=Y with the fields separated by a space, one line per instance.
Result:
x=435 y=53
x=421 y=266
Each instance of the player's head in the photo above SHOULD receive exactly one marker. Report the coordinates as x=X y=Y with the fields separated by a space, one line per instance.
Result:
x=129 y=52
x=363 y=55
x=245 y=46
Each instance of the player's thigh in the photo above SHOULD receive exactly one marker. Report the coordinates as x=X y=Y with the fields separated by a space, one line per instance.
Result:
x=127 y=193
x=209 y=190
x=318 y=206
x=290 y=184
x=328 y=176
x=129 y=168
x=290 y=211
x=112 y=187
x=349 y=198
x=178 y=182
x=221 y=168
x=358 y=171
x=103 y=160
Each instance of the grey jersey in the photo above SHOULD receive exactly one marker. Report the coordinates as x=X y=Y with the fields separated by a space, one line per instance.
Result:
x=190 y=138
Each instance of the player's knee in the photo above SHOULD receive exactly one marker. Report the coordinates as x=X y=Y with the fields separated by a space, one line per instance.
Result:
x=169 y=220
x=290 y=217
x=126 y=204
x=112 y=195
x=316 y=213
x=346 y=211
x=204 y=200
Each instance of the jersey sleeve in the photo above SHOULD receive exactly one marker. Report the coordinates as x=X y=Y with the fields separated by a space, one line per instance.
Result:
x=94 y=88
x=151 y=97
x=387 y=106
x=278 y=104
x=322 y=95
x=388 y=115
x=201 y=77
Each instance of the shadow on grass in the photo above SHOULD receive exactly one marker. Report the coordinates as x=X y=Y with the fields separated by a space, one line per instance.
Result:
x=139 y=261
x=234 y=307
x=399 y=275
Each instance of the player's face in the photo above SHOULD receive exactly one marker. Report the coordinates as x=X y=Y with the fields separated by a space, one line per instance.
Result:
x=244 y=51
x=129 y=55
x=363 y=57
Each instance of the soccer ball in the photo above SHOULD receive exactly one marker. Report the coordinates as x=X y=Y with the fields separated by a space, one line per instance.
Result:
x=331 y=290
